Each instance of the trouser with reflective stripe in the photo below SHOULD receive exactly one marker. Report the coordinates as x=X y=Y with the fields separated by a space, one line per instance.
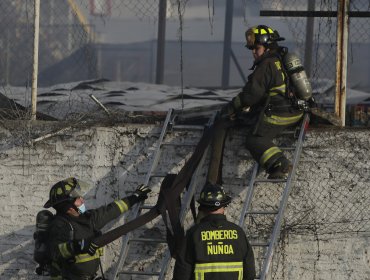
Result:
x=206 y=269
x=260 y=144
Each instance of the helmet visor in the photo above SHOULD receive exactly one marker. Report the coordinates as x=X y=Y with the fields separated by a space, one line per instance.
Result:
x=251 y=40
x=75 y=193
x=81 y=188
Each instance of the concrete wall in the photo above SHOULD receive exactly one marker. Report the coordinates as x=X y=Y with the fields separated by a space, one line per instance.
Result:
x=327 y=230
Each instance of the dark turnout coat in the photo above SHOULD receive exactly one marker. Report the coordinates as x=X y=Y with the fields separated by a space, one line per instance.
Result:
x=68 y=265
x=215 y=249
x=270 y=111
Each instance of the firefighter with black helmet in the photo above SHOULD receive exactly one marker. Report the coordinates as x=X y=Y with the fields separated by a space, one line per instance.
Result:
x=215 y=248
x=263 y=105
x=73 y=252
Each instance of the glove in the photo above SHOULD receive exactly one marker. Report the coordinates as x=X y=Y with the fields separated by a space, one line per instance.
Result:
x=141 y=192
x=85 y=246
x=228 y=112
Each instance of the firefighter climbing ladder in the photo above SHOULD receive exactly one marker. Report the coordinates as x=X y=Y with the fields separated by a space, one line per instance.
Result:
x=279 y=213
x=169 y=125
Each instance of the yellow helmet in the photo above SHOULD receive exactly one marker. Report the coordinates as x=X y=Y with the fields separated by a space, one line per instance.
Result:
x=262 y=35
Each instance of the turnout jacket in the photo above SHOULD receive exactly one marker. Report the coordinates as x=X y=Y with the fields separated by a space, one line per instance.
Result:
x=64 y=228
x=215 y=249
x=266 y=90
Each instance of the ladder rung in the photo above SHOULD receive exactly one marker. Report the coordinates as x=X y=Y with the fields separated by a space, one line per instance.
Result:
x=179 y=144
x=287 y=132
x=138 y=272
x=146 y=207
x=156 y=240
x=191 y=127
x=270 y=181
x=260 y=244
x=262 y=212
x=287 y=148
x=156 y=175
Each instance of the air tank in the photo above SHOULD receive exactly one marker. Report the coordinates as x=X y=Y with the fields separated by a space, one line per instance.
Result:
x=298 y=76
x=43 y=220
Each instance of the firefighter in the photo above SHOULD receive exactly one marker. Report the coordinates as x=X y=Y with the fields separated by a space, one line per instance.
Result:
x=74 y=254
x=215 y=248
x=264 y=104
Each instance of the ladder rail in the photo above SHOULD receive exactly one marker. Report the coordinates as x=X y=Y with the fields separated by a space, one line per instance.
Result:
x=284 y=200
x=184 y=209
x=249 y=196
x=185 y=204
x=137 y=208
x=167 y=126
x=157 y=153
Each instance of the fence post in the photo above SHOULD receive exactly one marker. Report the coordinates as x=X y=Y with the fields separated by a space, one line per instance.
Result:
x=35 y=58
x=309 y=39
x=161 y=41
x=227 y=44
x=341 y=61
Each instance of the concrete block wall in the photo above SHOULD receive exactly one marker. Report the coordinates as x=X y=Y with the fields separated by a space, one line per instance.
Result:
x=114 y=160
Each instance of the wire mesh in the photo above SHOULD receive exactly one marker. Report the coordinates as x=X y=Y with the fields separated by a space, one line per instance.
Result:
x=72 y=45
x=318 y=203
x=321 y=66
x=62 y=37
x=16 y=42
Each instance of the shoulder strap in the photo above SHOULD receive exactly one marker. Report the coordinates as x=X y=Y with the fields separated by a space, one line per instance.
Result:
x=280 y=55
x=71 y=232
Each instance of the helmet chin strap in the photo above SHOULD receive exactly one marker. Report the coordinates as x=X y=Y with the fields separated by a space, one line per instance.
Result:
x=73 y=211
x=76 y=212
x=219 y=211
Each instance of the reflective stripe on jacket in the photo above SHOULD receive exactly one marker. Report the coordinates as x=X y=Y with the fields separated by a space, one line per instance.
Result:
x=201 y=269
x=86 y=257
x=279 y=120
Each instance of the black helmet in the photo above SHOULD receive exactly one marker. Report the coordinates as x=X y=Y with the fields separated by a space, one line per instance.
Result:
x=262 y=35
x=67 y=190
x=213 y=196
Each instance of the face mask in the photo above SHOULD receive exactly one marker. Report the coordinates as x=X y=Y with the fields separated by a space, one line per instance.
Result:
x=81 y=208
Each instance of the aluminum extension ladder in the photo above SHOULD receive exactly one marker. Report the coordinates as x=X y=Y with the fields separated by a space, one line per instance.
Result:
x=278 y=215
x=168 y=126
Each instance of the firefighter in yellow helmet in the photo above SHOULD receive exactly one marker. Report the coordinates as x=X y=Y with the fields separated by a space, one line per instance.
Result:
x=215 y=248
x=73 y=252
x=263 y=105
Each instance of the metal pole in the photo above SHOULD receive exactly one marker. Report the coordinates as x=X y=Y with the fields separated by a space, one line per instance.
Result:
x=227 y=44
x=240 y=70
x=7 y=57
x=341 y=62
x=161 y=41
x=309 y=39
x=35 y=59
x=100 y=104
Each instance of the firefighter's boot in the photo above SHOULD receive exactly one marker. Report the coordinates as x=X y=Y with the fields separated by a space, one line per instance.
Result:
x=280 y=169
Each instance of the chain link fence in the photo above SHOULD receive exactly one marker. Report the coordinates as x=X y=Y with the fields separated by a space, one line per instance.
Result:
x=80 y=40
x=64 y=39
x=329 y=199
x=321 y=65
